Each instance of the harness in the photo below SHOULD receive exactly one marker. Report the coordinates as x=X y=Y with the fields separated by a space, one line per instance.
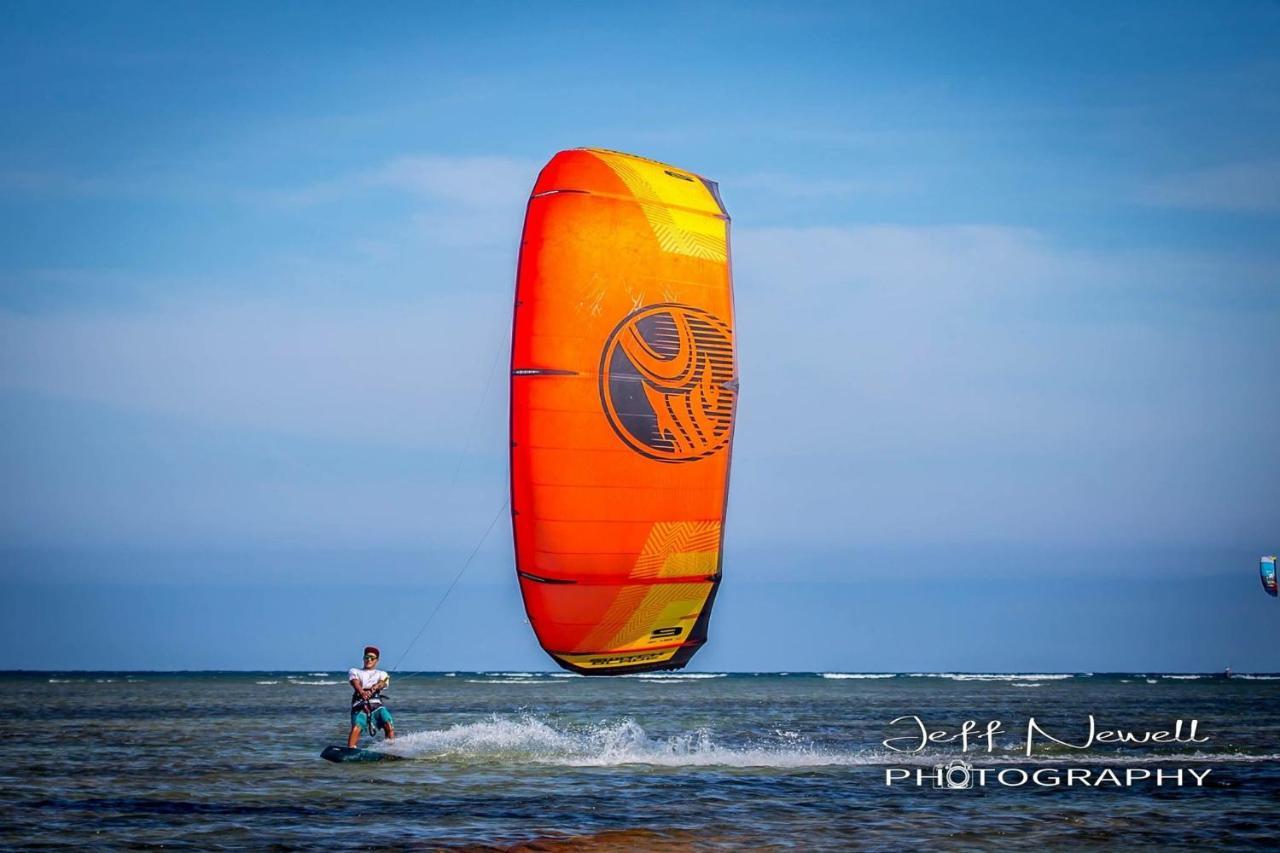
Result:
x=373 y=703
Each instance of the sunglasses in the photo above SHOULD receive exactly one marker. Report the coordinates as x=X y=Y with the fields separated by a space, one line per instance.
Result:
x=370 y=657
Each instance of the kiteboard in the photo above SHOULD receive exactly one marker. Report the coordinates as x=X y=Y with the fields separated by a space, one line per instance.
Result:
x=340 y=754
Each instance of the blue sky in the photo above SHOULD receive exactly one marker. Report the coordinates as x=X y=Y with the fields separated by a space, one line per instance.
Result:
x=1017 y=263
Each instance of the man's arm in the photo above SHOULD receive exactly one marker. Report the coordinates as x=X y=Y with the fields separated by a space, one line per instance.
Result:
x=364 y=694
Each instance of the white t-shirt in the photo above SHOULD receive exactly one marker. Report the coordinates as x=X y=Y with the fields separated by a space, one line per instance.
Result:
x=368 y=678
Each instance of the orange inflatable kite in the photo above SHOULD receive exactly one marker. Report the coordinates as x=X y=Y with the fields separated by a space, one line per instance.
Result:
x=623 y=388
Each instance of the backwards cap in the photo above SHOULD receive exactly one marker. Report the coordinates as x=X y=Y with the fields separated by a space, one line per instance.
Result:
x=372 y=650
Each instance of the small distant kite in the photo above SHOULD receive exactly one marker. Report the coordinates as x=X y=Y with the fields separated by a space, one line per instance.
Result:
x=1267 y=569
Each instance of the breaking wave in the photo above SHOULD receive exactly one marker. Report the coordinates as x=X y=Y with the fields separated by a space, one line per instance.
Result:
x=325 y=683
x=995 y=676
x=510 y=681
x=846 y=675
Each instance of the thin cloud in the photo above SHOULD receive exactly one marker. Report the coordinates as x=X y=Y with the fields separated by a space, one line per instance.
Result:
x=377 y=374
x=464 y=182
x=958 y=259
x=1252 y=187
x=900 y=383
x=801 y=187
x=937 y=268
x=65 y=185
x=468 y=181
x=981 y=382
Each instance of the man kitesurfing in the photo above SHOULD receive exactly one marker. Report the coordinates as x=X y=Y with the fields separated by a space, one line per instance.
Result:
x=623 y=348
x=367 y=708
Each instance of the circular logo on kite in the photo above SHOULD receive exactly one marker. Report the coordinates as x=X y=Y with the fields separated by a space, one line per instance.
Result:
x=667 y=382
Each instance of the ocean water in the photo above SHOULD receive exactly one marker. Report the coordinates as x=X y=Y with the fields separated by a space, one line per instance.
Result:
x=503 y=760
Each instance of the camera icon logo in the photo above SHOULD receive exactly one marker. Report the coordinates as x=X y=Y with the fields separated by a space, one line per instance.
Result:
x=956 y=775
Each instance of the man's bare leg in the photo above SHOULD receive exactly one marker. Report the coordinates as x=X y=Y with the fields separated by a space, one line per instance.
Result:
x=391 y=733
x=353 y=738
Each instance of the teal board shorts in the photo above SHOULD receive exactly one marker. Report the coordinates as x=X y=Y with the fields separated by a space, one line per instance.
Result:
x=381 y=718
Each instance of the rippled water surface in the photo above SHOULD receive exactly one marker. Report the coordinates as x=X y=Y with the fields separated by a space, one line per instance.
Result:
x=230 y=760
